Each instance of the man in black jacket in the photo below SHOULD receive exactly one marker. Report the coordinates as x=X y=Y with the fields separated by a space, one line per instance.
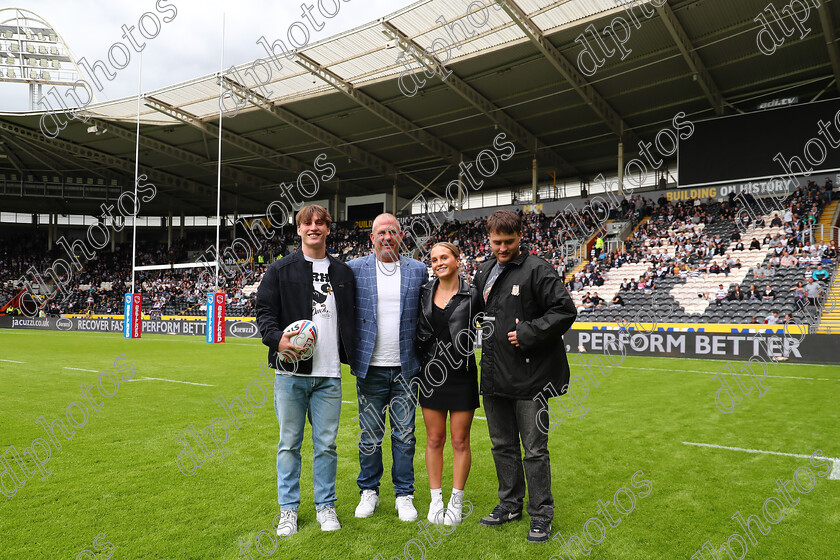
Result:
x=308 y=284
x=530 y=310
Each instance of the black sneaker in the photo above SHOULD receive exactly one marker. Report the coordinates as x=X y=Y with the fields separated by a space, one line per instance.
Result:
x=540 y=530
x=500 y=516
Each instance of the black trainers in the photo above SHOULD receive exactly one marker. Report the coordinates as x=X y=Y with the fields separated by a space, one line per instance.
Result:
x=500 y=516
x=540 y=530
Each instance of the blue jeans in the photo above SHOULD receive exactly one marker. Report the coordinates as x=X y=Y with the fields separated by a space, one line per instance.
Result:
x=295 y=399
x=386 y=388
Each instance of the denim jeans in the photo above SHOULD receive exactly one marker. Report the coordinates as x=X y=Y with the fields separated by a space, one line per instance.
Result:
x=510 y=420
x=296 y=399
x=386 y=388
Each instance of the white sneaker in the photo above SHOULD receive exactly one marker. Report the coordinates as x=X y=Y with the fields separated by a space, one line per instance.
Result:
x=405 y=508
x=453 y=513
x=367 y=503
x=436 y=511
x=288 y=523
x=328 y=519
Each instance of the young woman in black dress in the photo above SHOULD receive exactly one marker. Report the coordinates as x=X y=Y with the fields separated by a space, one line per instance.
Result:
x=446 y=339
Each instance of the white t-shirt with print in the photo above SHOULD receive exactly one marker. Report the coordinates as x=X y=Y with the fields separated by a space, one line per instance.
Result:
x=325 y=359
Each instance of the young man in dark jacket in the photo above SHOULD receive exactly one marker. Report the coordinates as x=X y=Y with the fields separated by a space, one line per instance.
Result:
x=530 y=310
x=308 y=284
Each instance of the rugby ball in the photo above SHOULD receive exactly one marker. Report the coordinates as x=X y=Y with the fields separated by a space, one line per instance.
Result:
x=305 y=336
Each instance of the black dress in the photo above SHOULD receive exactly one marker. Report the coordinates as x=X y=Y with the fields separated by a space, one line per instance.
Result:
x=459 y=390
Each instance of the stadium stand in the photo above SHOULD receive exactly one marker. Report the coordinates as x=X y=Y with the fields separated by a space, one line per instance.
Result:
x=99 y=287
x=671 y=265
x=686 y=262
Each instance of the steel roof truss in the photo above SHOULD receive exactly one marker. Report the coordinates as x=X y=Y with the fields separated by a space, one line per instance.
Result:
x=827 y=23
x=246 y=144
x=419 y=135
x=499 y=117
x=327 y=138
x=695 y=63
x=598 y=104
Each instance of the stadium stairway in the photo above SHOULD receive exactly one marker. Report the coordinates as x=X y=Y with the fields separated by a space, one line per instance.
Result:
x=827 y=219
x=585 y=259
x=830 y=320
x=639 y=226
x=612 y=282
x=193 y=310
x=577 y=268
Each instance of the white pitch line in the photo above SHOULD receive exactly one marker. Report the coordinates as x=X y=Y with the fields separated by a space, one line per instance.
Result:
x=13 y=361
x=785 y=363
x=835 y=462
x=169 y=381
x=780 y=363
x=726 y=373
x=80 y=369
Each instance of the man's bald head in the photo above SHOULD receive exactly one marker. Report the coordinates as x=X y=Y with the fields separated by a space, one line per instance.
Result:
x=386 y=217
x=386 y=236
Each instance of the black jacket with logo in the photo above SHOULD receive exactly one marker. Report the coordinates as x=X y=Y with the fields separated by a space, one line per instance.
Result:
x=285 y=296
x=528 y=289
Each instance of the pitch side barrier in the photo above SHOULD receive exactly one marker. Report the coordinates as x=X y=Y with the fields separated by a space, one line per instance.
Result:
x=238 y=327
x=727 y=342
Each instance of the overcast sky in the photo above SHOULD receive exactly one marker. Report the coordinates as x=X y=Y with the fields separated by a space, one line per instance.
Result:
x=188 y=46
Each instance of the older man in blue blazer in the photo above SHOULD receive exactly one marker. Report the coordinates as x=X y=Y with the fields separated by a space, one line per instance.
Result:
x=384 y=361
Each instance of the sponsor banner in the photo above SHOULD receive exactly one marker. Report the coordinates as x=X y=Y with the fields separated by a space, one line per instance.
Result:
x=215 y=317
x=231 y=261
x=756 y=188
x=760 y=187
x=792 y=328
x=127 y=314
x=133 y=311
x=814 y=348
x=237 y=328
x=39 y=323
x=243 y=329
x=219 y=335
x=137 y=315
x=778 y=102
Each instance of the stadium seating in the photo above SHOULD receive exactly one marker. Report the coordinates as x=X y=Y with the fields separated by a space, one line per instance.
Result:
x=691 y=298
x=652 y=246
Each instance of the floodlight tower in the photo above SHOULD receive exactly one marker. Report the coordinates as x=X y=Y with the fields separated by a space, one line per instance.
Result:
x=32 y=52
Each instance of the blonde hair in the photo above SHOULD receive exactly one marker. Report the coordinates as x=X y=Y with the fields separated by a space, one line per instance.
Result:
x=447 y=245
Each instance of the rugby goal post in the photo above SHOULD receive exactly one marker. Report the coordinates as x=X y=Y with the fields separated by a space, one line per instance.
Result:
x=215 y=301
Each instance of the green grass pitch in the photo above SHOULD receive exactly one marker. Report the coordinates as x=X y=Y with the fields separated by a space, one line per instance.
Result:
x=118 y=474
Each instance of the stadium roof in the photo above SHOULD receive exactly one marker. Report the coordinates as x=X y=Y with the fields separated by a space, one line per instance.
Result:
x=518 y=74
